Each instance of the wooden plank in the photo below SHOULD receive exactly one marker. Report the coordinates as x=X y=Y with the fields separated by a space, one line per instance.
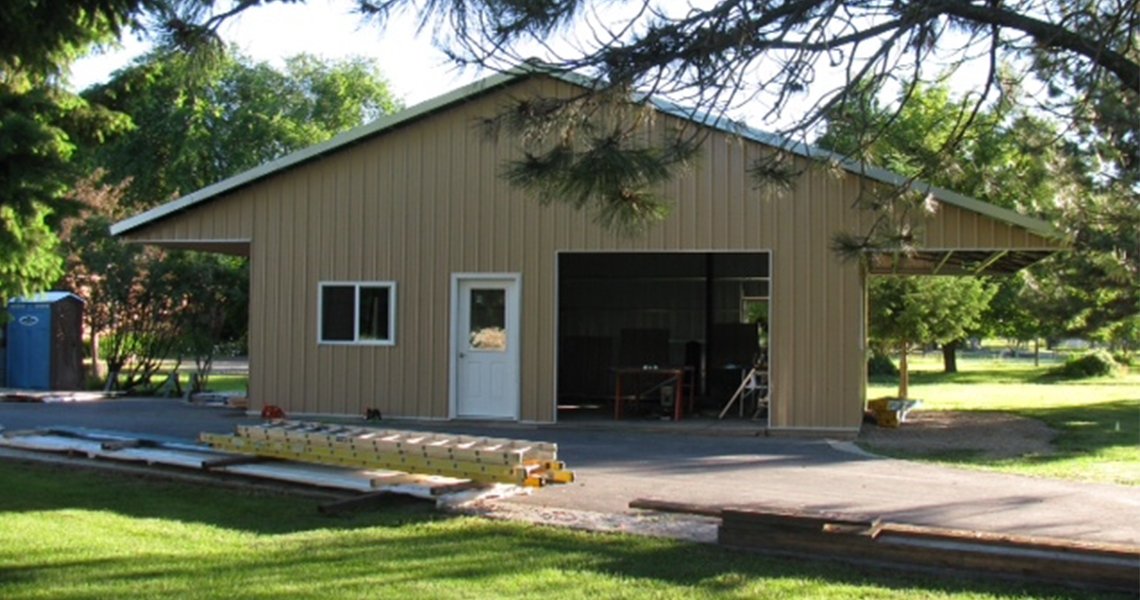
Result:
x=227 y=461
x=807 y=530
x=897 y=530
x=389 y=479
x=863 y=549
x=120 y=444
x=785 y=518
x=815 y=545
x=365 y=501
x=1113 y=566
x=454 y=488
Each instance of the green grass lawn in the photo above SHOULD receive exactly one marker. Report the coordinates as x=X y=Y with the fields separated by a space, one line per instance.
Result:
x=1097 y=420
x=227 y=383
x=74 y=534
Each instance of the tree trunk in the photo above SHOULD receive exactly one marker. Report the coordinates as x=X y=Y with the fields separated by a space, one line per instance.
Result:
x=1037 y=352
x=96 y=372
x=904 y=373
x=112 y=376
x=950 y=356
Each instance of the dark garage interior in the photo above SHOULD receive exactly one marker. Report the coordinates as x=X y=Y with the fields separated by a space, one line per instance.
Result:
x=642 y=315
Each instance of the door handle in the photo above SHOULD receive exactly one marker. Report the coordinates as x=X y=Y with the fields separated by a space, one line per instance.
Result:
x=462 y=355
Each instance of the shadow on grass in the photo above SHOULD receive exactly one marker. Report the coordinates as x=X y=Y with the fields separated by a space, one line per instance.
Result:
x=400 y=553
x=1083 y=432
x=49 y=487
x=1005 y=375
x=1092 y=428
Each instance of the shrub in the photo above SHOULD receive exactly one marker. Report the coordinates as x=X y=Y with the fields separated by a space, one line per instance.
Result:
x=1097 y=363
x=1125 y=359
x=879 y=364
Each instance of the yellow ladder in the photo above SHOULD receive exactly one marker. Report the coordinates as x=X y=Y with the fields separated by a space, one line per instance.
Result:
x=480 y=459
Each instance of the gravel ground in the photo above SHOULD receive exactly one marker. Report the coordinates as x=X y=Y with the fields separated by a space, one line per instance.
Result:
x=994 y=435
x=688 y=528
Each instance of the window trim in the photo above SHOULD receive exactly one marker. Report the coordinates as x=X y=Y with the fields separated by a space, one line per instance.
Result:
x=357 y=286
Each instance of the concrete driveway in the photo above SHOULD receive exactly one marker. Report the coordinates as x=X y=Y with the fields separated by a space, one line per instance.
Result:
x=616 y=466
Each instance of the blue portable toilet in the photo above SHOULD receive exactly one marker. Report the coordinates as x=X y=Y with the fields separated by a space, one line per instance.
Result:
x=45 y=342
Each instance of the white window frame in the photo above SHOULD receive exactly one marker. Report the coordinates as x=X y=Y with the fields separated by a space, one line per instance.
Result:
x=746 y=300
x=357 y=286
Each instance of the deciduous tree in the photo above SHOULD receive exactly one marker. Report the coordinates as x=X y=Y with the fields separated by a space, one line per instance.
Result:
x=197 y=123
x=906 y=313
x=1005 y=157
x=133 y=296
x=194 y=124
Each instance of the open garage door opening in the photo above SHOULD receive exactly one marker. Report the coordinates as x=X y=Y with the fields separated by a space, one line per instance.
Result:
x=663 y=335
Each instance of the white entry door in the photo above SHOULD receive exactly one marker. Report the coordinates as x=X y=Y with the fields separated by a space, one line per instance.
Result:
x=486 y=347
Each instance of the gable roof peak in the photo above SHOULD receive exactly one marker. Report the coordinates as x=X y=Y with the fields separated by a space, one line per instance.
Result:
x=534 y=66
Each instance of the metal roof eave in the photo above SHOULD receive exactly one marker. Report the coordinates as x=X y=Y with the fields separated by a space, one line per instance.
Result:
x=483 y=85
x=956 y=262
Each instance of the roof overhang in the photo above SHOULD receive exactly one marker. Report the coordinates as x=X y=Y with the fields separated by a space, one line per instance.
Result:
x=954 y=262
x=230 y=247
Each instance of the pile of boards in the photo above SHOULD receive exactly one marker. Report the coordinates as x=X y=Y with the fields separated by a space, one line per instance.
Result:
x=269 y=453
x=475 y=458
x=872 y=541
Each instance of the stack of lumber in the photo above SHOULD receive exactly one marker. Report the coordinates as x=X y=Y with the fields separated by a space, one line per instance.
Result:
x=479 y=459
x=162 y=452
x=1086 y=564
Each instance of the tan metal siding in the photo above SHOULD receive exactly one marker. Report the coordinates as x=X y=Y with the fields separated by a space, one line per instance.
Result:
x=951 y=227
x=419 y=203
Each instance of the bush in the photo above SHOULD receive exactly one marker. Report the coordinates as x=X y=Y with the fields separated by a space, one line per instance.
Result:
x=879 y=364
x=1097 y=363
x=1124 y=359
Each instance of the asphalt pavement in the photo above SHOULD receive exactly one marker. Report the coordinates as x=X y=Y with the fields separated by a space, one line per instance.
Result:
x=704 y=466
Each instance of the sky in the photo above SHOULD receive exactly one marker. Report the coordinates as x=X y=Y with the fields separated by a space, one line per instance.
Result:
x=415 y=70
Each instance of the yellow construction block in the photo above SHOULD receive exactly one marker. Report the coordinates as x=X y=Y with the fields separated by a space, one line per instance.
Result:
x=891 y=412
x=560 y=476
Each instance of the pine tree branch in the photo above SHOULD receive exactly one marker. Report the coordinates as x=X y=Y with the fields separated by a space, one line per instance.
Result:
x=1046 y=34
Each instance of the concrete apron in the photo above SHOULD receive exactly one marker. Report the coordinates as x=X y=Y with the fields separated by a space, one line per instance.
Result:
x=697 y=463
